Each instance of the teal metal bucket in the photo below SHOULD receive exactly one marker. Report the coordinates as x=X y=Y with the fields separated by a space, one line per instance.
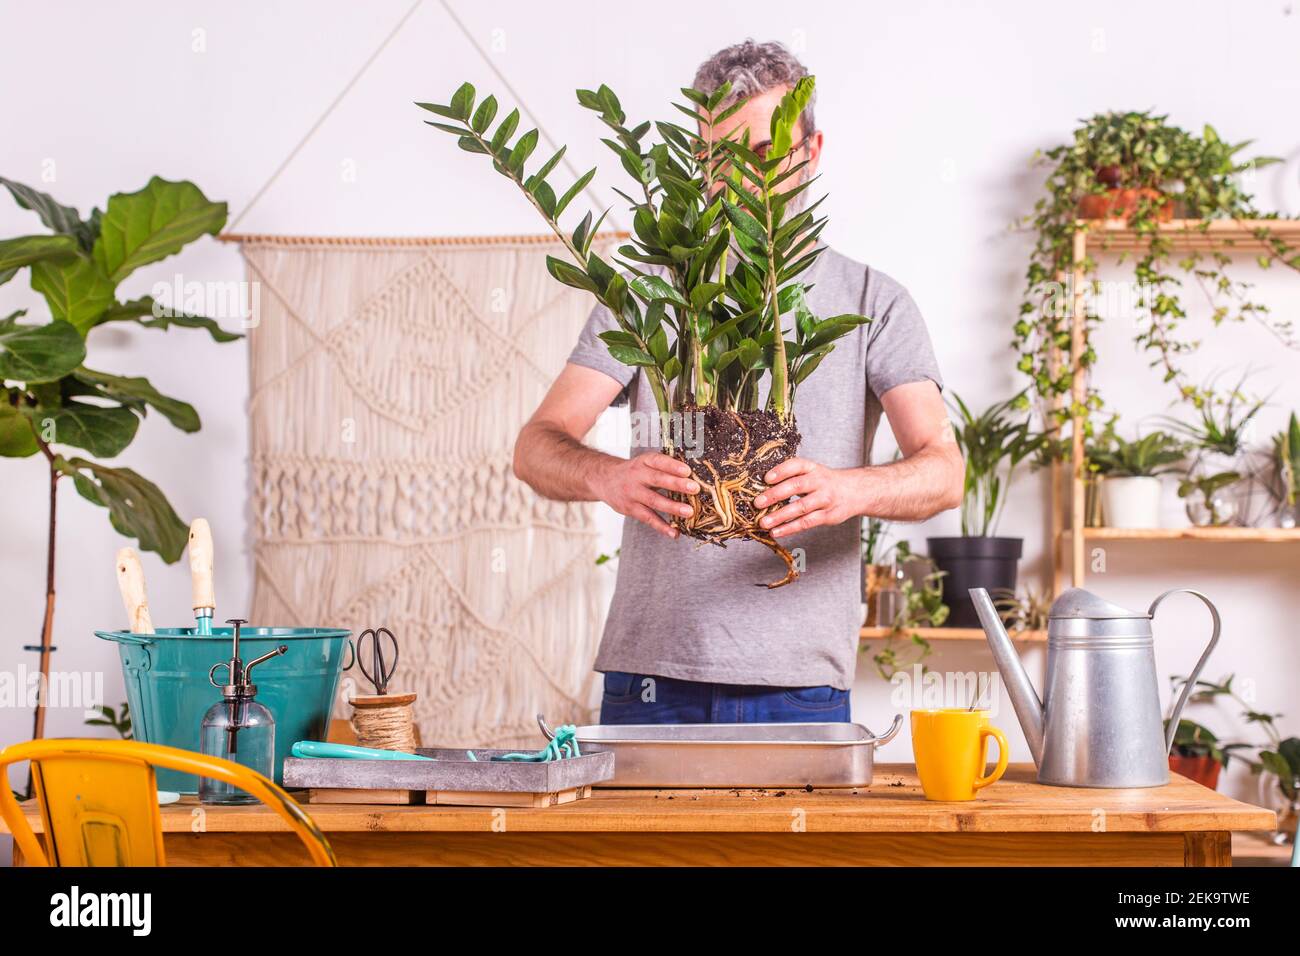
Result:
x=166 y=675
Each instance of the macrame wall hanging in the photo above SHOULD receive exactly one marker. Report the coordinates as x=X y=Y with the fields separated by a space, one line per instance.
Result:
x=388 y=381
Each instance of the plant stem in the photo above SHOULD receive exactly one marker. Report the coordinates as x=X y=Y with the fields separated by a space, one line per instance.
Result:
x=47 y=626
x=780 y=376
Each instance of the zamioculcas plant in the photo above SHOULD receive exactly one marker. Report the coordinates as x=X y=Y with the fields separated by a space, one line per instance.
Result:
x=54 y=402
x=705 y=293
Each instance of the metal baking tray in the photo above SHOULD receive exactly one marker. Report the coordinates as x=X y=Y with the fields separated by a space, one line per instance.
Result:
x=450 y=770
x=737 y=755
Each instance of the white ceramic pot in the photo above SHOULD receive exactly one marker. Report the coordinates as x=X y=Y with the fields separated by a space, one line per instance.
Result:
x=1131 y=502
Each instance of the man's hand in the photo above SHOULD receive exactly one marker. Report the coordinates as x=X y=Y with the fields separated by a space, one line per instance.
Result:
x=629 y=486
x=826 y=496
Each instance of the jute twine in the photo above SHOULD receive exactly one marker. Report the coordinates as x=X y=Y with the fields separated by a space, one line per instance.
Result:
x=384 y=721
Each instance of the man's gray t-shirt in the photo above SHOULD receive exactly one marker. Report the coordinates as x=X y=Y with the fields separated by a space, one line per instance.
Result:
x=690 y=610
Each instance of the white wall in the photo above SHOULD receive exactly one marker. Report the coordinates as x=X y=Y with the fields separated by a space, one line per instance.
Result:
x=931 y=110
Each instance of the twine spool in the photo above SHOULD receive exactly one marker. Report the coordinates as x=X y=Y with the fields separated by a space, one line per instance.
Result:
x=384 y=721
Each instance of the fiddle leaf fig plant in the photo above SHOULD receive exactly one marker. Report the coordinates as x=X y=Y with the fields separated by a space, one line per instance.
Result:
x=705 y=296
x=1138 y=167
x=56 y=405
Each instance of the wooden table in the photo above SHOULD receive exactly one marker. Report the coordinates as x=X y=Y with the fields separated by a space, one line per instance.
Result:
x=1014 y=822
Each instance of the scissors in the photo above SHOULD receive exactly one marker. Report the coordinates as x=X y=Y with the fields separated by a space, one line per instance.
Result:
x=381 y=668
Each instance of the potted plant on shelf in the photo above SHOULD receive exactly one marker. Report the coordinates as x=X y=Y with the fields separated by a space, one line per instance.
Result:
x=1218 y=439
x=879 y=574
x=1197 y=754
x=1130 y=489
x=1278 y=763
x=921 y=606
x=1135 y=167
x=737 y=321
x=993 y=443
x=1025 y=611
x=1286 y=480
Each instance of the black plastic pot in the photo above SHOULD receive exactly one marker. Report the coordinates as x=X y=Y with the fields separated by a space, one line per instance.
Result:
x=973 y=562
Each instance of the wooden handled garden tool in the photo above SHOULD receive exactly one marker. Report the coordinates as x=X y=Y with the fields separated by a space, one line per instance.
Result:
x=130 y=579
x=204 y=599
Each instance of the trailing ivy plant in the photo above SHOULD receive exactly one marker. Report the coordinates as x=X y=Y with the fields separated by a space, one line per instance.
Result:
x=1162 y=167
x=58 y=406
x=705 y=325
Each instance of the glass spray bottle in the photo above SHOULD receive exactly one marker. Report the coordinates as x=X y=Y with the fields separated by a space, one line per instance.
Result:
x=237 y=727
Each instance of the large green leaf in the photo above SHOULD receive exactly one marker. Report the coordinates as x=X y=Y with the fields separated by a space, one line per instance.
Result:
x=24 y=250
x=16 y=438
x=138 y=393
x=141 y=311
x=159 y=220
x=38 y=353
x=102 y=431
x=75 y=290
x=136 y=506
x=58 y=217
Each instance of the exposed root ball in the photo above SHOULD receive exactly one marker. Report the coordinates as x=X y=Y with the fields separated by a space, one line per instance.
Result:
x=729 y=458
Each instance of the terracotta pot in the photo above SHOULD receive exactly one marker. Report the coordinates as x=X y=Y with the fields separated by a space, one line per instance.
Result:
x=1122 y=203
x=1204 y=770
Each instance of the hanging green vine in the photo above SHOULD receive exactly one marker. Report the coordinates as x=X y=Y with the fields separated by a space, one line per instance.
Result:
x=1138 y=167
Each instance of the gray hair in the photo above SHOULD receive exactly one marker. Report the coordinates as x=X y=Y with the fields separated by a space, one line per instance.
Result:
x=754 y=68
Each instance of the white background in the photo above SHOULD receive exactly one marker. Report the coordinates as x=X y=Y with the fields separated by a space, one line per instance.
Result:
x=931 y=112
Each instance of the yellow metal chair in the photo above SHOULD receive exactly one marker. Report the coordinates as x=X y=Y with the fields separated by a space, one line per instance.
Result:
x=99 y=801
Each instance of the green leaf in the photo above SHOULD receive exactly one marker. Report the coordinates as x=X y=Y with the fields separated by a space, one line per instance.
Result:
x=705 y=293
x=570 y=274
x=653 y=288
x=75 y=289
x=25 y=250
x=38 y=353
x=631 y=356
x=484 y=115
x=745 y=223
x=141 y=311
x=522 y=150
x=104 y=432
x=137 y=508
x=61 y=219
x=505 y=131
x=127 y=390
x=462 y=102
x=573 y=190
x=439 y=109
x=159 y=220
x=16 y=437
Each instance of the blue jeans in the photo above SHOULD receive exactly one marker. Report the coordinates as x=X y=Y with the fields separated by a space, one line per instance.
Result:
x=647 y=699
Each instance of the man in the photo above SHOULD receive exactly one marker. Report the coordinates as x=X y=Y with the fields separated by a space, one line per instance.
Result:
x=689 y=639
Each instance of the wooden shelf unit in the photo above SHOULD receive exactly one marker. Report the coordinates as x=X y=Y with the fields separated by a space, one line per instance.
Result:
x=1116 y=236
x=1229 y=534
x=947 y=634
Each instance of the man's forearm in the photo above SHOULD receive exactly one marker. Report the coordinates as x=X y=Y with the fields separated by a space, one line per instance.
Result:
x=913 y=489
x=556 y=465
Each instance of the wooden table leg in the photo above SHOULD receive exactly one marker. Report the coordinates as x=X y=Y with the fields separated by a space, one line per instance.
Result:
x=1207 y=848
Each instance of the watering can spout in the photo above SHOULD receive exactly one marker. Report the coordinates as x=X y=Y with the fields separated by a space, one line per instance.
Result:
x=1029 y=709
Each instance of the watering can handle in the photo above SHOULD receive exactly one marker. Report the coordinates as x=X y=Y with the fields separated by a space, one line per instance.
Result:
x=1196 y=671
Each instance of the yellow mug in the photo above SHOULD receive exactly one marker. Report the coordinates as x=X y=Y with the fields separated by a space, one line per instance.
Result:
x=951 y=748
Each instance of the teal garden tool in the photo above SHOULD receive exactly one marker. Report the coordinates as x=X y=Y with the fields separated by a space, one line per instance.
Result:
x=318 y=749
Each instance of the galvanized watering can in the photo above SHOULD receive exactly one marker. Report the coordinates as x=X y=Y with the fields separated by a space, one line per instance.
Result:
x=1099 y=723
